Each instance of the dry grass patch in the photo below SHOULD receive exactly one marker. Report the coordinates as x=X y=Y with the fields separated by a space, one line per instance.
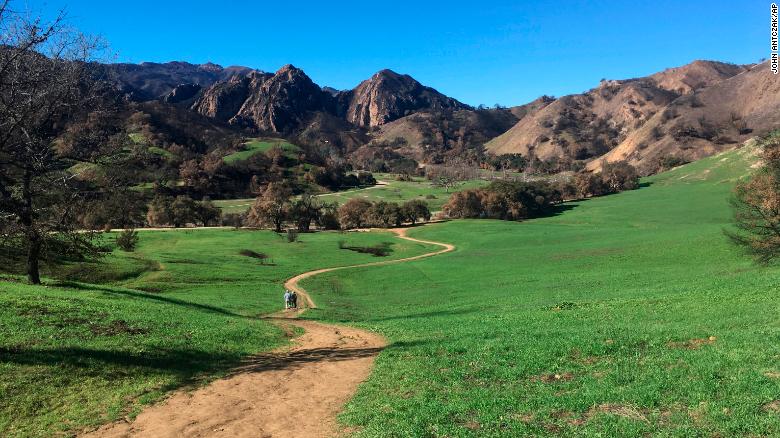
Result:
x=693 y=344
x=553 y=378
x=773 y=406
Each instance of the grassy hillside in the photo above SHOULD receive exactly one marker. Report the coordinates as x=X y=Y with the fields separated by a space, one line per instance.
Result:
x=180 y=310
x=626 y=315
x=259 y=145
x=401 y=191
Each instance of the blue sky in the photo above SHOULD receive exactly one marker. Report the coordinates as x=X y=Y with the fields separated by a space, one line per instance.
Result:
x=478 y=52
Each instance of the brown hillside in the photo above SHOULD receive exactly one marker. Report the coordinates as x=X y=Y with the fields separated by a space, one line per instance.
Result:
x=695 y=76
x=586 y=126
x=432 y=135
x=708 y=121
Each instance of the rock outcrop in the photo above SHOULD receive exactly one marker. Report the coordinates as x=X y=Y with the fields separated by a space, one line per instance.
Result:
x=388 y=96
x=224 y=99
x=182 y=93
x=282 y=102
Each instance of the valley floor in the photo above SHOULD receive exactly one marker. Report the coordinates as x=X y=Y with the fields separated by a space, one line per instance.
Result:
x=624 y=315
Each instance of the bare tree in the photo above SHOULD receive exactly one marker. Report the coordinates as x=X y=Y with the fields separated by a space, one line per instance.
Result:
x=53 y=112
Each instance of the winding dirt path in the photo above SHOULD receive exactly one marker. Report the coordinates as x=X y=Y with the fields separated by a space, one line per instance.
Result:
x=290 y=392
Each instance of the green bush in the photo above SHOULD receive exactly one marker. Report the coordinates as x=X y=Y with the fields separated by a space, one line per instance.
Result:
x=127 y=240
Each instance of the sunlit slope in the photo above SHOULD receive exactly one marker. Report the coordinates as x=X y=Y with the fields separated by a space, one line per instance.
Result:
x=623 y=315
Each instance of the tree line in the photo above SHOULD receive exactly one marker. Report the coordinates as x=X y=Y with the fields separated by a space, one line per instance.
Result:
x=276 y=208
x=516 y=200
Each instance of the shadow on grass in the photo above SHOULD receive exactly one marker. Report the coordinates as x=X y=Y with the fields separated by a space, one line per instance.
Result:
x=149 y=296
x=559 y=209
x=284 y=360
x=383 y=249
x=183 y=362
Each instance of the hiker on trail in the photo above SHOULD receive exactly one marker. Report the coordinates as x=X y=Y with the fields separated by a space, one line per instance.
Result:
x=294 y=299
x=287 y=299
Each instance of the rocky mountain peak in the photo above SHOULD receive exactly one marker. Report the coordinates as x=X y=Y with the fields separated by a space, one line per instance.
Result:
x=388 y=96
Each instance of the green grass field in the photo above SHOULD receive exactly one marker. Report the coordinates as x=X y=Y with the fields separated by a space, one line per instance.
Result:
x=179 y=311
x=401 y=191
x=234 y=205
x=627 y=315
x=261 y=145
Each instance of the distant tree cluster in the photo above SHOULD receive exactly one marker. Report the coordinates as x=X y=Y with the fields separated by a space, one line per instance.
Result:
x=504 y=200
x=756 y=206
x=530 y=164
x=359 y=213
x=506 y=162
x=516 y=200
x=614 y=177
x=180 y=211
x=276 y=208
x=336 y=177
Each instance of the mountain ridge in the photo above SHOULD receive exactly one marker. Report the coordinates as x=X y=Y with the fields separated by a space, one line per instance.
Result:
x=394 y=110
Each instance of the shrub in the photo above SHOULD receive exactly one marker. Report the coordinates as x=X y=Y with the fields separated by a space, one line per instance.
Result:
x=588 y=184
x=292 y=235
x=465 y=204
x=619 y=176
x=670 y=161
x=127 y=240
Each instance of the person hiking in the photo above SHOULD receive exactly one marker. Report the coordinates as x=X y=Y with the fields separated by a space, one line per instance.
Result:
x=287 y=299
x=294 y=299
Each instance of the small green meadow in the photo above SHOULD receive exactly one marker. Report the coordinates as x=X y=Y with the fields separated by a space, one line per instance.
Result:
x=101 y=340
x=392 y=191
x=260 y=145
x=626 y=315
x=402 y=191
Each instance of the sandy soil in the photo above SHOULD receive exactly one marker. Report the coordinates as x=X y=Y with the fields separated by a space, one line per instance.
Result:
x=290 y=392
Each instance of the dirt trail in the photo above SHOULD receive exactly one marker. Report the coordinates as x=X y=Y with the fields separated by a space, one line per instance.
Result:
x=290 y=392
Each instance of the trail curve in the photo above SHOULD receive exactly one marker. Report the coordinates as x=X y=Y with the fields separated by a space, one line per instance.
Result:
x=290 y=392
